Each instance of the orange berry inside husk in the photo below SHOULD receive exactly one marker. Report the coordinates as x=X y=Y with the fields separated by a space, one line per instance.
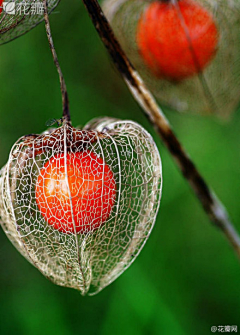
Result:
x=176 y=40
x=75 y=193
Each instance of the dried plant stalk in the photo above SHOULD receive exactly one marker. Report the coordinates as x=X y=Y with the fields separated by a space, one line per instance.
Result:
x=211 y=205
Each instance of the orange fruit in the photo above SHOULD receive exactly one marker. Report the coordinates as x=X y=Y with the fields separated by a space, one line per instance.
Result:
x=176 y=40
x=76 y=193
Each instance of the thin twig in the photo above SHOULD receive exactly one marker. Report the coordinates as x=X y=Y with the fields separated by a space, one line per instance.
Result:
x=65 y=101
x=212 y=206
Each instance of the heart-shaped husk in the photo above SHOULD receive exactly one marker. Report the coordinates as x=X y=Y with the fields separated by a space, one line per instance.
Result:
x=215 y=90
x=85 y=261
x=20 y=16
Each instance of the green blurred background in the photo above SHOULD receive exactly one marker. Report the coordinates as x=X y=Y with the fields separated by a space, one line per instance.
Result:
x=187 y=278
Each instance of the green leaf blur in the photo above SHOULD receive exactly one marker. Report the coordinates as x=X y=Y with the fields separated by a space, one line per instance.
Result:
x=187 y=277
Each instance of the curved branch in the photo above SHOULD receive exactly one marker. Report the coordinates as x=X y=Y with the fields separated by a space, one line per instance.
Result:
x=212 y=206
x=65 y=101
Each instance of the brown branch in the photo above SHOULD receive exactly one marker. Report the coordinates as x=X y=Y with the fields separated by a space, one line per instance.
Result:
x=212 y=206
x=65 y=101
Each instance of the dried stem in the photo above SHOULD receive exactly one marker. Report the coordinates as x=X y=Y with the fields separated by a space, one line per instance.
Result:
x=212 y=206
x=65 y=101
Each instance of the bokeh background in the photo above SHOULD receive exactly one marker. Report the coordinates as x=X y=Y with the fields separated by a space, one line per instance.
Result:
x=187 y=278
